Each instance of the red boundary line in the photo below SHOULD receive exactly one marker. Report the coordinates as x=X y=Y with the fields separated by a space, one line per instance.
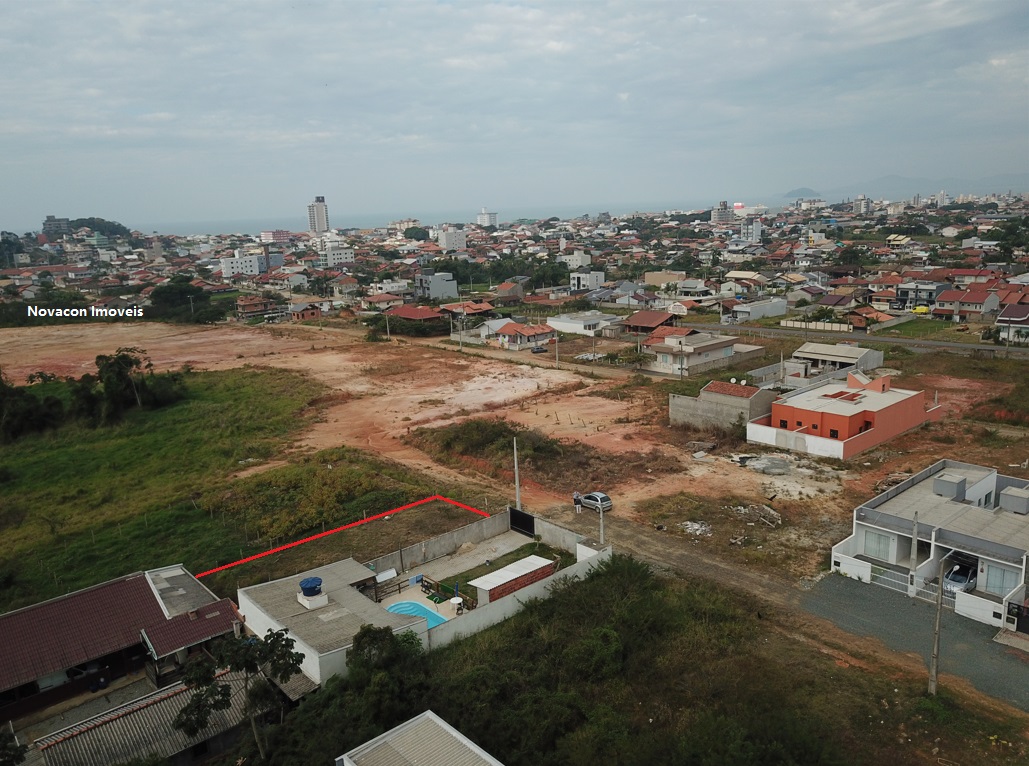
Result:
x=320 y=535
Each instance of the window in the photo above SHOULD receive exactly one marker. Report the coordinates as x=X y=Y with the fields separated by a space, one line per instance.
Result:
x=834 y=434
x=1000 y=581
x=784 y=424
x=814 y=426
x=877 y=546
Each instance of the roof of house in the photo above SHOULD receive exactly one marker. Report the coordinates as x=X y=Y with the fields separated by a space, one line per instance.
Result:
x=1015 y=313
x=1006 y=532
x=730 y=389
x=835 y=300
x=648 y=318
x=334 y=625
x=841 y=398
x=139 y=728
x=666 y=331
x=416 y=313
x=514 y=328
x=829 y=352
x=70 y=630
x=382 y=298
x=510 y=572
x=425 y=740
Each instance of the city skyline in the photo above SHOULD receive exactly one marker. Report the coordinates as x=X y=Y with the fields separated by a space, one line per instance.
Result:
x=198 y=112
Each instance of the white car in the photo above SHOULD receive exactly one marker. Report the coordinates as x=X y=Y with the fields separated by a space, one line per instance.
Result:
x=598 y=501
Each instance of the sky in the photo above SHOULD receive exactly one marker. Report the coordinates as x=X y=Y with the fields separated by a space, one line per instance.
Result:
x=197 y=111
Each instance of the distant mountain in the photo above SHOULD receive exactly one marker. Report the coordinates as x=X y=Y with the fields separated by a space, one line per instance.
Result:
x=900 y=187
x=804 y=192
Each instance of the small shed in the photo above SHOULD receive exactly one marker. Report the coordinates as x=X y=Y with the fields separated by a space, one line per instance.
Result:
x=511 y=578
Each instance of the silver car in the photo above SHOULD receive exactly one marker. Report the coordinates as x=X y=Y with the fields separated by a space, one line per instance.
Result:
x=598 y=501
x=961 y=577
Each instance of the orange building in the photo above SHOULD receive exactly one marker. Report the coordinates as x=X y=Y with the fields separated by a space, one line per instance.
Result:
x=842 y=419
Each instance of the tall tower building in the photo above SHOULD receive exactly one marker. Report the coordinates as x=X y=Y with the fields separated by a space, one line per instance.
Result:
x=486 y=218
x=318 y=216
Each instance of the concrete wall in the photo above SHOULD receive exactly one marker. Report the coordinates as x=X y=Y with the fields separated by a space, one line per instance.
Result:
x=715 y=410
x=558 y=537
x=978 y=609
x=443 y=545
x=797 y=442
x=821 y=326
x=474 y=620
x=872 y=329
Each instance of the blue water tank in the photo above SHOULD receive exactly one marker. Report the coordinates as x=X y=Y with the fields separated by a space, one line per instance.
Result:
x=311 y=586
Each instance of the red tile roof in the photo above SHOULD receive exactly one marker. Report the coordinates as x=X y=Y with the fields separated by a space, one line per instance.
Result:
x=730 y=389
x=415 y=313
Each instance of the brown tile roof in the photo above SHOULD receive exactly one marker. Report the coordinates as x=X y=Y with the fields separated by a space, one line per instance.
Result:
x=730 y=389
x=648 y=318
x=168 y=636
x=73 y=629
x=416 y=313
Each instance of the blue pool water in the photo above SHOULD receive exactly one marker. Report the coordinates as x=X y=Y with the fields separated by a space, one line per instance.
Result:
x=413 y=607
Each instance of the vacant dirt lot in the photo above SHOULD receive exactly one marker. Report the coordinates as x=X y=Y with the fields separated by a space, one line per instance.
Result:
x=382 y=390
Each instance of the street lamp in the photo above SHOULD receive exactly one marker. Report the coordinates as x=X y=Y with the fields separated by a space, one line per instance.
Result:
x=934 y=659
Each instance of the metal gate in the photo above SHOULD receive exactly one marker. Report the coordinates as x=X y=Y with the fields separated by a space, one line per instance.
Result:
x=889 y=579
x=928 y=593
x=522 y=522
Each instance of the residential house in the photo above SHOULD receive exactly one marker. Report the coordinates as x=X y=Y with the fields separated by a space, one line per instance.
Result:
x=515 y=336
x=582 y=323
x=509 y=293
x=302 y=312
x=950 y=512
x=720 y=405
x=434 y=286
x=842 y=419
x=965 y=305
x=838 y=303
x=865 y=317
x=682 y=351
x=142 y=728
x=425 y=740
x=647 y=321
x=148 y=621
x=345 y=286
x=381 y=302
x=748 y=312
x=808 y=293
x=1013 y=323
x=468 y=309
x=322 y=619
x=414 y=313
x=250 y=306
x=919 y=293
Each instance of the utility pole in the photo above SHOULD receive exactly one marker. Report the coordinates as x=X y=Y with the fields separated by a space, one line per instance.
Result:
x=934 y=659
x=601 y=524
x=518 y=486
x=190 y=304
x=388 y=337
x=557 y=352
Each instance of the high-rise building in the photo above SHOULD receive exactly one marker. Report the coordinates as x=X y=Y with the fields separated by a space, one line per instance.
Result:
x=751 y=230
x=451 y=238
x=722 y=214
x=862 y=205
x=486 y=218
x=318 y=216
x=55 y=227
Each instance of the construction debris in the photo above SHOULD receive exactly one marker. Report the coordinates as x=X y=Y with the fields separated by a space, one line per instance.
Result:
x=696 y=528
x=890 y=481
x=757 y=511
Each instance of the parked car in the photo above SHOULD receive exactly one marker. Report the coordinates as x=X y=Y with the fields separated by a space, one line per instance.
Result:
x=960 y=577
x=538 y=350
x=598 y=501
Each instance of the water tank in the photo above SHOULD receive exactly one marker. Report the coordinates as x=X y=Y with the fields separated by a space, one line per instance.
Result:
x=311 y=586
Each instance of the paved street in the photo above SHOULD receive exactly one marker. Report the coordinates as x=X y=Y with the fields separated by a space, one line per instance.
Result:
x=906 y=625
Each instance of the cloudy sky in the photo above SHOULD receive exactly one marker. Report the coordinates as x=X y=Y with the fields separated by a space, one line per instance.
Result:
x=214 y=110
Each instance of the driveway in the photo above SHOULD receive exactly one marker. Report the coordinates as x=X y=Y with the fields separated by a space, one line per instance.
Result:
x=906 y=625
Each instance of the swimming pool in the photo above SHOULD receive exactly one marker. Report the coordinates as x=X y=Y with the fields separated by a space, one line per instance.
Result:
x=419 y=610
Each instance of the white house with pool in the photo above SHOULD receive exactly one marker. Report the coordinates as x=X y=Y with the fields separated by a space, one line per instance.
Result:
x=325 y=608
x=322 y=618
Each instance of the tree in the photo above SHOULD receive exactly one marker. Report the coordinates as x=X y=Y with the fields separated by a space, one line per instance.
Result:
x=416 y=233
x=250 y=656
x=11 y=753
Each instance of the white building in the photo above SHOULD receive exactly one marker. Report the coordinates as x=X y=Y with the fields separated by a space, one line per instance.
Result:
x=333 y=251
x=280 y=236
x=251 y=264
x=862 y=205
x=585 y=280
x=318 y=216
x=452 y=238
x=582 y=323
x=950 y=513
x=751 y=230
x=575 y=260
x=486 y=218
x=722 y=214
x=322 y=625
